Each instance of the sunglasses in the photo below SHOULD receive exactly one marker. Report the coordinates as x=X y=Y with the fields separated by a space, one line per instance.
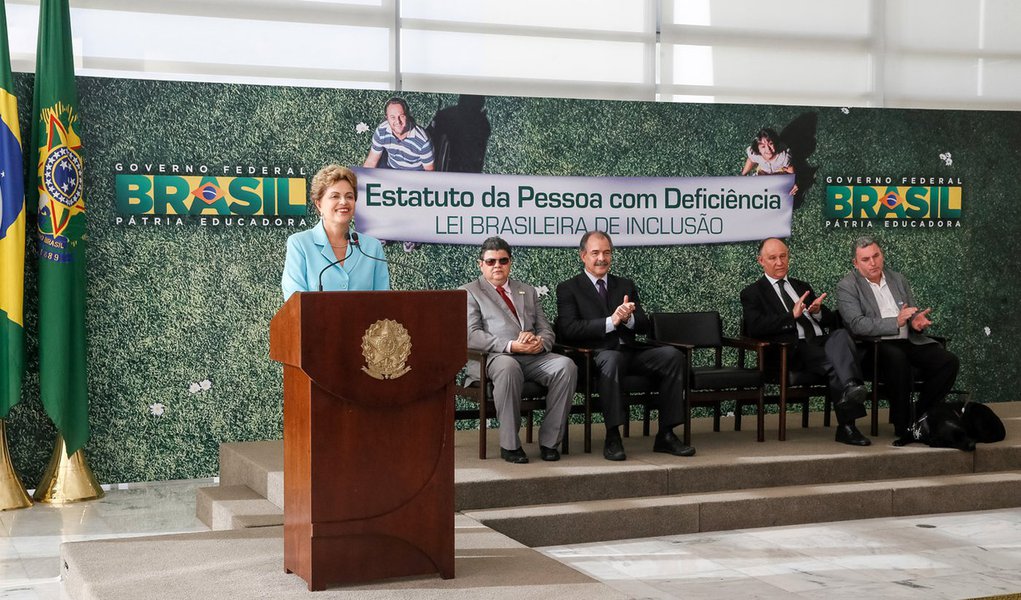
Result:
x=503 y=260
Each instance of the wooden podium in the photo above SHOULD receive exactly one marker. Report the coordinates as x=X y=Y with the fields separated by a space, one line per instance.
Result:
x=368 y=432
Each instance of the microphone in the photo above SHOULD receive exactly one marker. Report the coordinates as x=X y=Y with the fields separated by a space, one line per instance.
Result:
x=354 y=242
x=347 y=237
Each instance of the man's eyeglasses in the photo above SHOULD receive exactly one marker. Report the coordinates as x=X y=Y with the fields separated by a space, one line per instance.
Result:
x=503 y=260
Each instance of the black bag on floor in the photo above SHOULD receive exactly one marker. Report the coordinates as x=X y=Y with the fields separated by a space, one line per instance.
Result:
x=955 y=425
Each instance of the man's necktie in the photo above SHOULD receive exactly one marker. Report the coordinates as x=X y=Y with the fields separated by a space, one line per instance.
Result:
x=804 y=320
x=506 y=298
x=601 y=288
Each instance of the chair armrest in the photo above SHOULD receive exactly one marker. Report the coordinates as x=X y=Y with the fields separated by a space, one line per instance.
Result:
x=745 y=343
x=574 y=351
x=867 y=338
x=478 y=355
x=678 y=345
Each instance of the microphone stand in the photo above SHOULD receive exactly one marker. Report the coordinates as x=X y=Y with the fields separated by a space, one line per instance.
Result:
x=347 y=237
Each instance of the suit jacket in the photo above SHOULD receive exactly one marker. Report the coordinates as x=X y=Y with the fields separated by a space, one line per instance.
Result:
x=766 y=317
x=309 y=252
x=860 y=310
x=491 y=325
x=581 y=312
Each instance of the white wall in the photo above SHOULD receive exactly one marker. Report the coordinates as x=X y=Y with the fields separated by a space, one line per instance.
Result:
x=888 y=53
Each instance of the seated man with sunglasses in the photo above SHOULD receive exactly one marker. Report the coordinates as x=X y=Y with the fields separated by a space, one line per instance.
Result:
x=506 y=320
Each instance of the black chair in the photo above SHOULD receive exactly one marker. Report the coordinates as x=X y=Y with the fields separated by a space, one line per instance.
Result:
x=794 y=387
x=710 y=385
x=871 y=368
x=637 y=390
x=533 y=398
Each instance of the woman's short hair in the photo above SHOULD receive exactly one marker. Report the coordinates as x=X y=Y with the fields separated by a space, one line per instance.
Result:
x=329 y=175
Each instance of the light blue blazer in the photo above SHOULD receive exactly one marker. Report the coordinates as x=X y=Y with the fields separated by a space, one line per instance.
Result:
x=308 y=253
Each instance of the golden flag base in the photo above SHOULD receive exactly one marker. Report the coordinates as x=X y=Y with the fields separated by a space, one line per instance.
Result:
x=67 y=479
x=12 y=492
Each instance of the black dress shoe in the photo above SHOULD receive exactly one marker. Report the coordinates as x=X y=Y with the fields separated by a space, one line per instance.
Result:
x=854 y=393
x=614 y=450
x=852 y=402
x=849 y=434
x=550 y=454
x=517 y=457
x=671 y=444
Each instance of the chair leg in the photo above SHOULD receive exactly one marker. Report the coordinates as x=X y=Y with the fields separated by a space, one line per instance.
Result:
x=483 y=419
x=645 y=423
x=588 y=409
x=875 y=392
x=565 y=442
x=588 y=425
x=761 y=417
x=737 y=415
x=528 y=426
x=804 y=414
x=875 y=408
x=716 y=417
x=687 y=419
x=827 y=407
x=782 y=433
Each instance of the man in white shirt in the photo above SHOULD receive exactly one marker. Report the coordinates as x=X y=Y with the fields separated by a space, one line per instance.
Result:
x=877 y=302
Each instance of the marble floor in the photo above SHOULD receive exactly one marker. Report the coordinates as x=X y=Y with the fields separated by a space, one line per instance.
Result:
x=932 y=557
x=951 y=556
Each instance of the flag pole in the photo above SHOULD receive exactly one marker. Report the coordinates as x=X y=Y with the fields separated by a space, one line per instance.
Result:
x=67 y=479
x=12 y=492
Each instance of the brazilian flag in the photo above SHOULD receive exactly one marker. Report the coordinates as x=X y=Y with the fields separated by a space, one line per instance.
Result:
x=12 y=235
x=56 y=178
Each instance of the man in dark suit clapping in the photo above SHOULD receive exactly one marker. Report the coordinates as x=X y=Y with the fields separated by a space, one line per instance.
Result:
x=598 y=310
x=778 y=308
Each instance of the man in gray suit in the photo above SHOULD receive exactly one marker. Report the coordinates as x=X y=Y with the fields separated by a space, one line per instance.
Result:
x=877 y=302
x=506 y=320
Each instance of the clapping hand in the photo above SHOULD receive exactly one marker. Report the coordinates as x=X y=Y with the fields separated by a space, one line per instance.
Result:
x=921 y=320
x=623 y=312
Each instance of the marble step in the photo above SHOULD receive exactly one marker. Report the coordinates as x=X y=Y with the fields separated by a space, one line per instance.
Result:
x=625 y=518
x=235 y=507
x=257 y=465
x=726 y=467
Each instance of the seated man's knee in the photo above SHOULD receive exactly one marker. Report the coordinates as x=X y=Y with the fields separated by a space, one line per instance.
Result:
x=505 y=367
x=565 y=368
x=952 y=362
x=610 y=361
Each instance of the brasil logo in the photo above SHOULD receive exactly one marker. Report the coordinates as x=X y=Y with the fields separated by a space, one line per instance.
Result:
x=892 y=202
x=160 y=199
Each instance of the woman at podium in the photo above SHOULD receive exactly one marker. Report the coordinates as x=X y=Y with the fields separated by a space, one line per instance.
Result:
x=331 y=256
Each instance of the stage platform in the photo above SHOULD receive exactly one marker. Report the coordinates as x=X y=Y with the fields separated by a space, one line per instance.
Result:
x=504 y=510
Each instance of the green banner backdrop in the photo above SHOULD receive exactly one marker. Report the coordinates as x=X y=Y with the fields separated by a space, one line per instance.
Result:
x=178 y=311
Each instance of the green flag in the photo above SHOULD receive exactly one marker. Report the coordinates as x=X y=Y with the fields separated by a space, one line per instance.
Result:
x=56 y=177
x=12 y=235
